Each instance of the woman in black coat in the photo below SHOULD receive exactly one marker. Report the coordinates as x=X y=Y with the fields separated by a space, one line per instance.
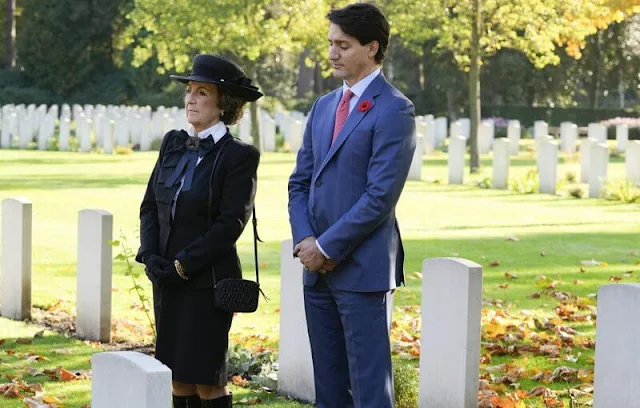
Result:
x=191 y=216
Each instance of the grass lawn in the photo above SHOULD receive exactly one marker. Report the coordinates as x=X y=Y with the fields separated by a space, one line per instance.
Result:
x=551 y=235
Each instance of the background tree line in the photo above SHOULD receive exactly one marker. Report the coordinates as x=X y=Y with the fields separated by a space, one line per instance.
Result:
x=552 y=54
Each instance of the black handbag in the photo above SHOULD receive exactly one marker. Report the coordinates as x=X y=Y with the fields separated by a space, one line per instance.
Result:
x=234 y=295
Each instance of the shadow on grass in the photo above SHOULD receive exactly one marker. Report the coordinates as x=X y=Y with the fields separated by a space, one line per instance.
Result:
x=42 y=182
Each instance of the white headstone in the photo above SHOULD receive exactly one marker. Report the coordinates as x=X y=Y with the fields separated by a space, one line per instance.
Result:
x=513 y=134
x=568 y=137
x=16 y=258
x=466 y=127
x=63 y=141
x=585 y=157
x=599 y=163
x=95 y=230
x=5 y=136
x=450 y=338
x=538 y=143
x=83 y=133
x=43 y=133
x=632 y=162
x=597 y=132
x=501 y=163
x=415 y=171
x=617 y=338
x=121 y=129
x=145 y=134
x=441 y=129
x=457 y=129
x=295 y=135
x=430 y=139
x=107 y=135
x=622 y=137
x=295 y=370
x=540 y=128
x=548 y=170
x=457 y=154
x=245 y=128
x=128 y=379
x=268 y=133
x=485 y=139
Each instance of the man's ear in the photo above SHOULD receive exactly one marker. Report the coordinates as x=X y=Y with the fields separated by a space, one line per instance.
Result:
x=373 y=48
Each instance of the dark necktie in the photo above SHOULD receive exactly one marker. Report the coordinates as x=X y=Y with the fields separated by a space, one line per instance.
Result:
x=196 y=148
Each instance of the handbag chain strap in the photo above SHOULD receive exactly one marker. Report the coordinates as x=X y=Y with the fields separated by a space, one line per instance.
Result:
x=256 y=238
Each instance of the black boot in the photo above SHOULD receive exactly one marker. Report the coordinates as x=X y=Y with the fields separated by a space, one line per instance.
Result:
x=220 y=402
x=192 y=401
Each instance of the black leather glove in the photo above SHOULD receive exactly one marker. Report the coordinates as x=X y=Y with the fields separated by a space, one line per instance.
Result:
x=167 y=275
x=152 y=263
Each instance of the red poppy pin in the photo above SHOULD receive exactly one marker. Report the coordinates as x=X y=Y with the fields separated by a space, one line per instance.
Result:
x=364 y=106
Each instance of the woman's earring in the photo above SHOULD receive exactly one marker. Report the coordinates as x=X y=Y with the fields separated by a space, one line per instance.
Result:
x=221 y=114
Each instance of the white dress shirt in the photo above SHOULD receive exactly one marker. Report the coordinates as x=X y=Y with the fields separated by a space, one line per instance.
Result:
x=358 y=89
x=216 y=131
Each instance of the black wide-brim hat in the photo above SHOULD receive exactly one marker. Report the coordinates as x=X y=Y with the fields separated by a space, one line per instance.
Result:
x=222 y=72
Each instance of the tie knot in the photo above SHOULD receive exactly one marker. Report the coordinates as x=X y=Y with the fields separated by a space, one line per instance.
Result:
x=347 y=95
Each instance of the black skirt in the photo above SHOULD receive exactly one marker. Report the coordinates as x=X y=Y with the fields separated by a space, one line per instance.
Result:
x=192 y=335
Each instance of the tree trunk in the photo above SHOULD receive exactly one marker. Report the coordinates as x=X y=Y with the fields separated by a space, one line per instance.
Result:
x=451 y=105
x=305 y=76
x=253 y=108
x=595 y=79
x=474 y=87
x=10 y=57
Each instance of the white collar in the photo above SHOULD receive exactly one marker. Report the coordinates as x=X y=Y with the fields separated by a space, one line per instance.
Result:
x=217 y=131
x=359 y=87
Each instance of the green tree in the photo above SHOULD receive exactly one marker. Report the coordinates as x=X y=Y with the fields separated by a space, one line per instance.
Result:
x=64 y=45
x=478 y=29
x=255 y=33
x=10 y=34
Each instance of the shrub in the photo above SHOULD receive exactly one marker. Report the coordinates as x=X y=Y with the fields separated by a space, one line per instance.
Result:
x=576 y=192
x=570 y=177
x=406 y=385
x=622 y=191
x=527 y=184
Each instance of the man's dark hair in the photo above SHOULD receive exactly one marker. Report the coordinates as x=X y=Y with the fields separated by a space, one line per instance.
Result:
x=366 y=23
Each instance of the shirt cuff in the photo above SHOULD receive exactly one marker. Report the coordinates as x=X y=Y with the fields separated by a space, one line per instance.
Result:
x=322 y=250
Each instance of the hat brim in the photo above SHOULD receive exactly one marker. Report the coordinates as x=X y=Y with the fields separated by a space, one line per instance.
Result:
x=250 y=94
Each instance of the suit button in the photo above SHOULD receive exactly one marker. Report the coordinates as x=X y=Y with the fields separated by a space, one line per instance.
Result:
x=318 y=183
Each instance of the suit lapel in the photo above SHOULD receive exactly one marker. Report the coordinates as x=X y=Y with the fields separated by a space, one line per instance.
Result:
x=354 y=118
x=329 y=123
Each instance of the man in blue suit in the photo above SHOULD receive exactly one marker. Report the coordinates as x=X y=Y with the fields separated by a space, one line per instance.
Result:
x=350 y=171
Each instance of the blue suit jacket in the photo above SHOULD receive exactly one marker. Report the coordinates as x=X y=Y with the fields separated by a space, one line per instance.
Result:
x=345 y=193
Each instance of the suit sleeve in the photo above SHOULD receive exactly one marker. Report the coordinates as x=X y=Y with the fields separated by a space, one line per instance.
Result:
x=299 y=186
x=236 y=204
x=149 y=228
x=392 y=150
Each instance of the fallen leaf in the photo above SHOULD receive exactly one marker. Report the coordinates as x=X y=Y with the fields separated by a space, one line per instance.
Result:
x=1 y=342
x=62 y=351
x=614 y=278
x=23 y=340
x=494 y=263
x=514 y=239
x=591 y=262
x=510 y=275
x=38 y=334
x=503 y=286
x=583 y=270
x=239 y=381
x=578 y=282
x=34 y=372
x=250 y=401
x=542 y=253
